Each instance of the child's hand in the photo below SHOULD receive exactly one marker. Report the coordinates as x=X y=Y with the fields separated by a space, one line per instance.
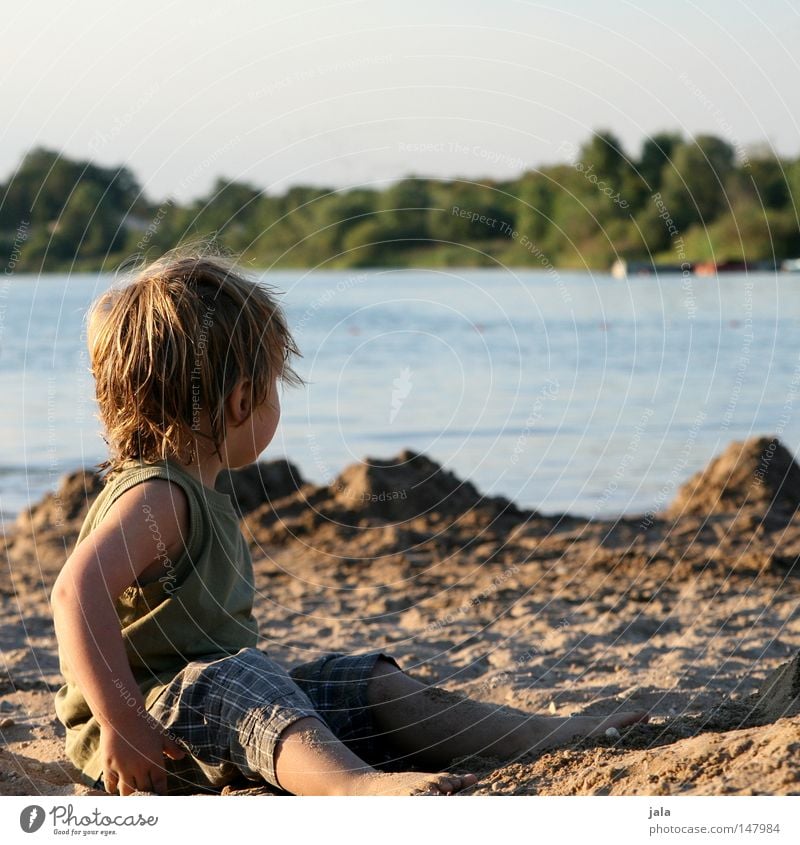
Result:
x=133 y=756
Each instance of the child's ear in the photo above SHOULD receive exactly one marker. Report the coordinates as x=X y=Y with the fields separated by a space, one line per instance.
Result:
x=239 y=405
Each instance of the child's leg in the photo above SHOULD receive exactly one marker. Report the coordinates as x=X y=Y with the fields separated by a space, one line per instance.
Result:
x=310 y=760
x=434 y=726
x=244 y=713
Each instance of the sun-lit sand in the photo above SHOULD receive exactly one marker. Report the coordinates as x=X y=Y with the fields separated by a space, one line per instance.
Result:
x=688 y=613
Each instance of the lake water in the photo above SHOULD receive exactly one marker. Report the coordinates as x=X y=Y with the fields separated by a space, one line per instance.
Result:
x=566 y=392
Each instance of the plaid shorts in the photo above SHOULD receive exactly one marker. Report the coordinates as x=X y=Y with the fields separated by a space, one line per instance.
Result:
x=229 y=714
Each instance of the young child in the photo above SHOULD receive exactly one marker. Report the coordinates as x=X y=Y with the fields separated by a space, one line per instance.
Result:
x=166 y=688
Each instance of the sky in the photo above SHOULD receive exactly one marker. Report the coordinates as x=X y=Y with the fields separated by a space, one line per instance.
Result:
x=363 y=92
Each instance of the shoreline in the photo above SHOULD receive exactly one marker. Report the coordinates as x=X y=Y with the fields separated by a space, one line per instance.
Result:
x=664 y=271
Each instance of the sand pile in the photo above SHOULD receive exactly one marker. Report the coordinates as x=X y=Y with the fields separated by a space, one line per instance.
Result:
x=71 y=500
x=48 y=530
x=265 y=481
x=759 y=473
x=405 y=487
x=780 y=694
x=46 y=533
x=249 y=488
x=381 y=492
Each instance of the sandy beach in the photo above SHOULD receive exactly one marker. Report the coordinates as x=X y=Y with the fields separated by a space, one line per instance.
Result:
x=691 y=612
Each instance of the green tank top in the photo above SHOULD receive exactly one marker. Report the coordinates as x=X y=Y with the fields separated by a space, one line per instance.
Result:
x=200 y=609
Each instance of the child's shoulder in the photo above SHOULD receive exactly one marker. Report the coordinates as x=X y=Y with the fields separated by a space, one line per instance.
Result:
x=157 y=496
x=153 y=486
x=157 y=503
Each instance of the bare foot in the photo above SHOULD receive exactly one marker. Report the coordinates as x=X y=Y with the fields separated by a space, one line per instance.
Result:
x=411 y=783
x=550 y=731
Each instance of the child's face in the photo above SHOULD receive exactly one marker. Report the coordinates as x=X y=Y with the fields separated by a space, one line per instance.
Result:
x=264 y=421
x=249 y=431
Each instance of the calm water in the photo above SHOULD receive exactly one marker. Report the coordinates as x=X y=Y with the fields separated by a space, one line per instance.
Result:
x=568 y=392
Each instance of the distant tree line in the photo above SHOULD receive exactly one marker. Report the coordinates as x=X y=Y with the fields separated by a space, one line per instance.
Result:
x=696 y=199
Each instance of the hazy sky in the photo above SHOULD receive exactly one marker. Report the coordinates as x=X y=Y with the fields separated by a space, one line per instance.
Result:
x=342 y=93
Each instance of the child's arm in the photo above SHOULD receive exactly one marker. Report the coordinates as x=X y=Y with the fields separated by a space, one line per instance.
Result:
x=87 y=626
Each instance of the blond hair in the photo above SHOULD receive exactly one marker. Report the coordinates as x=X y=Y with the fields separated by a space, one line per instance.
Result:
x=176 y=339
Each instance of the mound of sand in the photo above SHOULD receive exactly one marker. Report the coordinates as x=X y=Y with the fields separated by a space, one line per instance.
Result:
x=47 y=530
x=71 y=500
x=405 y=487
x=376 y=493
x=759 y=473
x=259 y=483
x=249 y=488
x=779 y=696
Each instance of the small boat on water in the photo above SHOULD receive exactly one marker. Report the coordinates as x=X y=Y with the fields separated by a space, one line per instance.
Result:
x=711 y=268
x=621 y=268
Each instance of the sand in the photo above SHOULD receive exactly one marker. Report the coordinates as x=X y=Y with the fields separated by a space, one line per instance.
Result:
x=691 y=613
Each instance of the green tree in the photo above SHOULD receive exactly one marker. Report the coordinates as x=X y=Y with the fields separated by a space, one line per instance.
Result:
x=344 y=211
x=762 y=182
x=604 y=155
x=536 y=195
x=226 y=204
x=693 y=188
x=586 y=212
x=404 y=209
x=656 y=154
